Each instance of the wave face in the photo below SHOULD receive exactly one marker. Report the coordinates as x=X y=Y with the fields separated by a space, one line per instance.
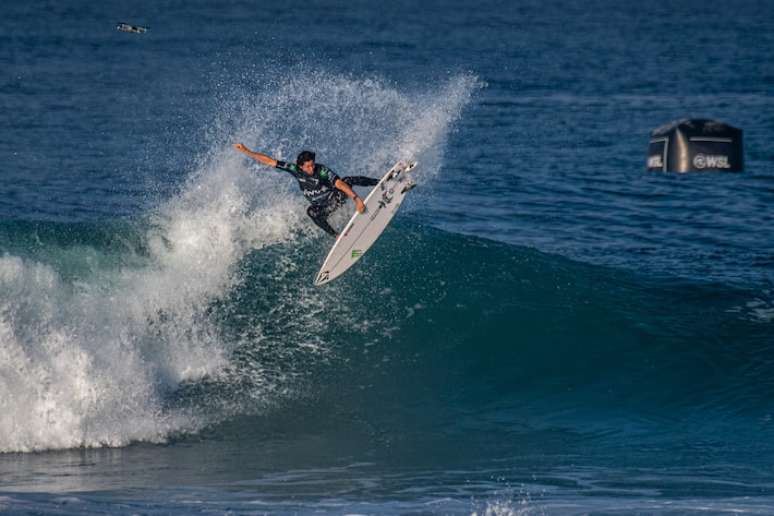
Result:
x=480 y=343
x=136 y=331
x=114 y=334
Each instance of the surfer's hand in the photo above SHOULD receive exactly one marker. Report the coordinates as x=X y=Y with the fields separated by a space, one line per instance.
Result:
x=359 y=206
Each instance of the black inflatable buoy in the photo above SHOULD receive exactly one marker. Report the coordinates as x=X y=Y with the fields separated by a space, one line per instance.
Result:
x=695 y=145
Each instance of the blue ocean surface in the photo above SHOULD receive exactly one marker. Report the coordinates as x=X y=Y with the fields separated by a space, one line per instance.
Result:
x=545 y=328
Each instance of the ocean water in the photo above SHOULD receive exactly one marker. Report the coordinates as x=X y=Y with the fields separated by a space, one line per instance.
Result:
x=546 y=328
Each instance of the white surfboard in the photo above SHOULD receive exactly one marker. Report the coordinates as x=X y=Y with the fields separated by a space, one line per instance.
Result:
x=364 y=229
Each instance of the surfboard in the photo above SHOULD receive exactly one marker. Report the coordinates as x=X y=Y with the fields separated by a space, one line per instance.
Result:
x=363 y=229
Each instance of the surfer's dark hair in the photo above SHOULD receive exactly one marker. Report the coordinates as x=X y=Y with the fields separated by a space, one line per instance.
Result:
x=304 y=156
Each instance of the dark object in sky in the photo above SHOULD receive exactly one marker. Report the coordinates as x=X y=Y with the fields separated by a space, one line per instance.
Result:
x=691 y=145
x=126 y=27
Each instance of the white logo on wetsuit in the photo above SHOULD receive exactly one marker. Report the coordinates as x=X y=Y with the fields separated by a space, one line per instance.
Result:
x=314 y=193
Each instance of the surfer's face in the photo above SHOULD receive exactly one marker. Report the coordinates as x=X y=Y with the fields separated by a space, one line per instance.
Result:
x=308 y=167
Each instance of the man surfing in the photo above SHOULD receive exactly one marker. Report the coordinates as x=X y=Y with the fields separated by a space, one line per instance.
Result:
x=319 y=184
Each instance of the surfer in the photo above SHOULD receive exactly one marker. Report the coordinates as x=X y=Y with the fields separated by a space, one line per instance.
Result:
x=320 y=185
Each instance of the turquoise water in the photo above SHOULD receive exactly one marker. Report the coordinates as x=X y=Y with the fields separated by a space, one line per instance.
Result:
x=545 y=328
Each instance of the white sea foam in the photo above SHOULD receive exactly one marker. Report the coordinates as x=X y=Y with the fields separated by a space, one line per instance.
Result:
x=87 y=363
x=356 y=126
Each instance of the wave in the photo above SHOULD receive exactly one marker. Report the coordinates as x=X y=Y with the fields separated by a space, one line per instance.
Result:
x=203 y=310
x=432 y=328
x=111 y=332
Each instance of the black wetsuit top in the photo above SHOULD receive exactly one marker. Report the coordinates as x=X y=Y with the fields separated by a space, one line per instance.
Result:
x=319 y=188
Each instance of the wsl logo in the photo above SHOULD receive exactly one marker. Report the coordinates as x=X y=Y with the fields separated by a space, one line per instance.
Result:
x=655 y=161
x=702 y=161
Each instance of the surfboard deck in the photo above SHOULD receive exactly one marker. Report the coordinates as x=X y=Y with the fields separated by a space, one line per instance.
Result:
x=364 y=229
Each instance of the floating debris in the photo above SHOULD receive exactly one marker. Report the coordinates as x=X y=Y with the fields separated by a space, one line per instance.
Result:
x=127 y=27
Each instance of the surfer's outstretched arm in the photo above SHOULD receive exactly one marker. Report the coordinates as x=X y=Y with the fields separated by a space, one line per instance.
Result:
x=257 y=156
